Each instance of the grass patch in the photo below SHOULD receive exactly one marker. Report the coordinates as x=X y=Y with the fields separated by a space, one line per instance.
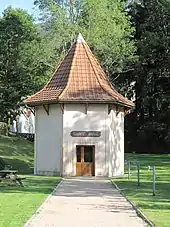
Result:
x=18 y=152
x=17 y=204
x=156 y=208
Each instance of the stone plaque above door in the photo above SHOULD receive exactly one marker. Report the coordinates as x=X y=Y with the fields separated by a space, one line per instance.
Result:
x=85 y=134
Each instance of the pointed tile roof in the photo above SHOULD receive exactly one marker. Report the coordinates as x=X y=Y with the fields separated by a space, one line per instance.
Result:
x=78 y=78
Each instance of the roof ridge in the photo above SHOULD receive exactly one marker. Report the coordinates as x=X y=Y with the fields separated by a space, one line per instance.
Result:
x=98 y=79
x=105 y=77
x=58 y=66
x=51 y=78
x=38 y=92
x=69 y=77
x=80 y=39
x=78 y=77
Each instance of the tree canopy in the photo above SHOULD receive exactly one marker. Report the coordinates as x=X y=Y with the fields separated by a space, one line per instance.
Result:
x=105 y=25
x=131 y=39
x=152 y=74
x=21 y=58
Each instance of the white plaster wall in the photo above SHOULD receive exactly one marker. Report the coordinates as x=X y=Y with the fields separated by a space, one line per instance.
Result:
x=48 y=140
x=75 y=119
x=26 y=124
x=115 y=143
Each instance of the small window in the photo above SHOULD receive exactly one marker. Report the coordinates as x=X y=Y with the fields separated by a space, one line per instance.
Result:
x=88 y=154
x=78 y=154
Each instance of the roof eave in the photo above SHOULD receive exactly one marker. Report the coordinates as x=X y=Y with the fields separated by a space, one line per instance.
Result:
x=45 y=102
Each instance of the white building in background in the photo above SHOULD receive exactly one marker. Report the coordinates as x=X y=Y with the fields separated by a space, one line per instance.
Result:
x=13 y=127
x=26 y=123
x=79 y=119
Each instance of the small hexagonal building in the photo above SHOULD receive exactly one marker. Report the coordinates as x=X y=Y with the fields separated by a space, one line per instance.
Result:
x=79 y=119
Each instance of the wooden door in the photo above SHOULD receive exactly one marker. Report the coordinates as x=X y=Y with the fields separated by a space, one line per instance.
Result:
x=85 y=161
x=79 y=154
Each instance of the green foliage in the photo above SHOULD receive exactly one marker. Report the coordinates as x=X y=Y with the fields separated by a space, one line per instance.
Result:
x=108 y=30
x=22 y=53
x=152 y=74
x=29 y=52
x=3 y=128
x=104 y=24
x=131 y=44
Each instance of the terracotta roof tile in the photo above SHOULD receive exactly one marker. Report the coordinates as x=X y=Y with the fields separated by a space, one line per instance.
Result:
x=79 y=77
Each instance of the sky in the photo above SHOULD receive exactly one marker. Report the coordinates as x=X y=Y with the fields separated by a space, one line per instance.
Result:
x=24 y=4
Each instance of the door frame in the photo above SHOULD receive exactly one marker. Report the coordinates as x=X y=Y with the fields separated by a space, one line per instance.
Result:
x=82 y=156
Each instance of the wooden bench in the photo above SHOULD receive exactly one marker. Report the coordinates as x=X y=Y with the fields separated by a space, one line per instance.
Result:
x=20 y=179
x=9 y=175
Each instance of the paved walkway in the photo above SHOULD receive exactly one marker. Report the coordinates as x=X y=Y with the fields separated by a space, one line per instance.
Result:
x=86 y=203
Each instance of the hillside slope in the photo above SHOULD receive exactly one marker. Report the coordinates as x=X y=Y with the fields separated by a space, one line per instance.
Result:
x=18 y=152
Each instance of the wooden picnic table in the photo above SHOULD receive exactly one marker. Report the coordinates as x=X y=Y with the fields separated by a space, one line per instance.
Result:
x=8 y=175
x=7 y=171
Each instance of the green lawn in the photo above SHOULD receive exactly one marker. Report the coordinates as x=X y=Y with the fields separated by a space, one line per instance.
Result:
x=156 y=208
x=17 y=204
x=18 y=152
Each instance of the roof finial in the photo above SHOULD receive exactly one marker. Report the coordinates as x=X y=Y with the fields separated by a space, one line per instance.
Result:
x=80 y=38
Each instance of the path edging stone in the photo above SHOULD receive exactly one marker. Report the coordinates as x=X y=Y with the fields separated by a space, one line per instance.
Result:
x=28 y=223
x=138 y=211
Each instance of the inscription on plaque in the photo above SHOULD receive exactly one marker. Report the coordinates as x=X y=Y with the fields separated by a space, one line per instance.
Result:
x=85 y=134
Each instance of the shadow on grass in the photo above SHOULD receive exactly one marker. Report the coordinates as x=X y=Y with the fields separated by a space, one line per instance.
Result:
x=15 y=146
x=153 y=206
x=149 y=159
x=22 y=166
x=33 y=185
x=142 y=195
x=18 y=153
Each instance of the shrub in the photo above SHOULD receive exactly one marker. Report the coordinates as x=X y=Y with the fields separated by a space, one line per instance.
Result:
x=4 y=164
x=3 y=129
